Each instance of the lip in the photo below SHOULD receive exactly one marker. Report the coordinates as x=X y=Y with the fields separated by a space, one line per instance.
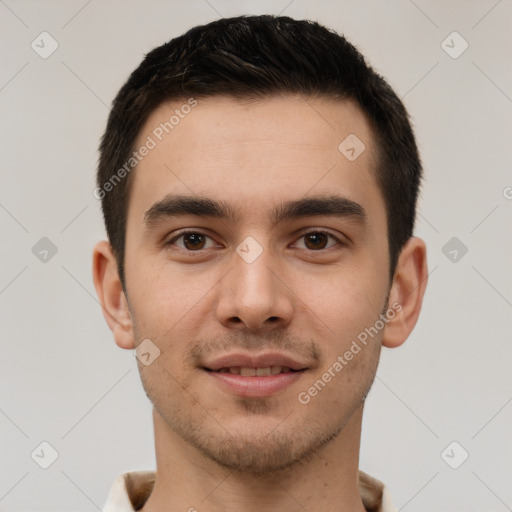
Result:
x=255 y=387
x=259 y=361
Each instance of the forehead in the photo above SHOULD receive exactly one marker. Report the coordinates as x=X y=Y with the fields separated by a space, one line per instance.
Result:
x=253 y=154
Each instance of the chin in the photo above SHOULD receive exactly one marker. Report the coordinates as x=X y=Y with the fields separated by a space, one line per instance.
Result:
x=263 y=451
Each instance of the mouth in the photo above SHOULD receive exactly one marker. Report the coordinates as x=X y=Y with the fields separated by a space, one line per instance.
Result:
x=254 y=372
x=255 y=376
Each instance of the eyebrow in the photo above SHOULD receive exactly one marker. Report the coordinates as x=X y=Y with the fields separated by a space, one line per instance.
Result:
x=181 y=205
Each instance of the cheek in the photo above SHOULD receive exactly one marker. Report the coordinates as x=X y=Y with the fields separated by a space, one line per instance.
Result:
x=346 y=301
x=162 y=301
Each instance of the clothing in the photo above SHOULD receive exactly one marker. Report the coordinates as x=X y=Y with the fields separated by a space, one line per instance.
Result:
x=130 y=491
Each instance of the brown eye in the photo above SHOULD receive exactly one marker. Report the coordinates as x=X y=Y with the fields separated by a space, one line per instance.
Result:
x=316 y=240
x=192 y=240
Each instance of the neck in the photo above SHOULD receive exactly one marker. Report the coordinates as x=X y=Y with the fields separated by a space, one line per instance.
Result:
x=188 y=481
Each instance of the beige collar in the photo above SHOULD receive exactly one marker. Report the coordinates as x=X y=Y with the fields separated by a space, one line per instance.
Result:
x=131 y=490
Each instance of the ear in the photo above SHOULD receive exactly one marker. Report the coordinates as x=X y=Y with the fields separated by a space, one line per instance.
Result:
x=407 y=291
x=111 y=295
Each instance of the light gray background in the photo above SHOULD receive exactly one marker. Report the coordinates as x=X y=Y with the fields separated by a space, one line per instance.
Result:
x=64 y=381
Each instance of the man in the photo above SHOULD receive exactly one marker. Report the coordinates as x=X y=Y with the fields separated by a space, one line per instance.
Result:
x=259 y=183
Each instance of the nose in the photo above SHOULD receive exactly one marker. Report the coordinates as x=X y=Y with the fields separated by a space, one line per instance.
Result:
x=254 y=297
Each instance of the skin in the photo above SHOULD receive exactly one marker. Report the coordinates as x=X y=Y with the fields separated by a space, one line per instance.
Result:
x=220 y=452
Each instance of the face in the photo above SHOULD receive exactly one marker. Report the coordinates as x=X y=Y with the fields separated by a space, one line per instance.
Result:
x=254 y=291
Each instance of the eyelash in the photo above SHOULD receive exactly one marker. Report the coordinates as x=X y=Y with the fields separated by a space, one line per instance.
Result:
x=316 y=232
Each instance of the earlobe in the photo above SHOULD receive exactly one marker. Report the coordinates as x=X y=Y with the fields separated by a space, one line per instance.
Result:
x=407 y=291
x=111 y=295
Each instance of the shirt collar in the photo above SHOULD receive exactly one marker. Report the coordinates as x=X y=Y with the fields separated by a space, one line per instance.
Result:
x=130 y=491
